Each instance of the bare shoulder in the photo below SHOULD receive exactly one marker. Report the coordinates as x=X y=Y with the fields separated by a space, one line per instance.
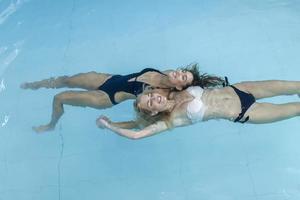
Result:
x=179 y=116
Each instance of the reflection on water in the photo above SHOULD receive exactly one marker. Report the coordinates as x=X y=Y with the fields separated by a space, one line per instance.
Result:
x=2 y=86
x=10 y=10
x=6 y=118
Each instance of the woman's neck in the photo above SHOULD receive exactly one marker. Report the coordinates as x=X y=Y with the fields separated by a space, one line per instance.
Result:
x=170 y=105
x=174 y=99
x=165 y=82
x=156 y=80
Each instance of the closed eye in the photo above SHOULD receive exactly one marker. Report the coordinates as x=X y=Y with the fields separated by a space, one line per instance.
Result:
x=149 y=103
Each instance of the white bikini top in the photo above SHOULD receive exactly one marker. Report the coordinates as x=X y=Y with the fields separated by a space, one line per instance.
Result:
x=195 y=109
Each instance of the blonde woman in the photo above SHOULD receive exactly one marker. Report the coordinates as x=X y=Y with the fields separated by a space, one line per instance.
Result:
x=163 y=110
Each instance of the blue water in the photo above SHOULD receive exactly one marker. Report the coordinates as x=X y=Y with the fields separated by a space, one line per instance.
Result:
x=215 y=160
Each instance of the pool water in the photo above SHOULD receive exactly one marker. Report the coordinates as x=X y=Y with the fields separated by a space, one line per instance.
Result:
x=244 y=40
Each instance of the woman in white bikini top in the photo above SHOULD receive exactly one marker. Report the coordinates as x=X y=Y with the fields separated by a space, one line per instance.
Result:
x=163 y=111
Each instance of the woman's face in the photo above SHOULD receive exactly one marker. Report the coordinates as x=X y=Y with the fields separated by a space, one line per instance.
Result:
x=180 y=78
x=152 y=102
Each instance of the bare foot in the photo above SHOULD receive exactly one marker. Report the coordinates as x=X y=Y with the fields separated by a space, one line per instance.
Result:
x=42 y=128
x=29 y=86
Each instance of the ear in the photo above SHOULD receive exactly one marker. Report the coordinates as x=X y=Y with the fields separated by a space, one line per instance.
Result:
x=178 y=87
x=154 y=113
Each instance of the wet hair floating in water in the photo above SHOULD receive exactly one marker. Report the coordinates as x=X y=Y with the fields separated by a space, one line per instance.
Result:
x=204 y=80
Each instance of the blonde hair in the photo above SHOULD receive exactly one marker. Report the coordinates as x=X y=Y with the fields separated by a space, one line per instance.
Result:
x=144 y=117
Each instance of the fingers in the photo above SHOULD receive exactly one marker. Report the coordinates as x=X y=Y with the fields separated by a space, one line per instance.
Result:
x=105 y=118
x=99 y=123
x=102 y=122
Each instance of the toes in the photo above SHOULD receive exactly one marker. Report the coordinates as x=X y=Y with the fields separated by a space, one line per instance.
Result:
x=37 y=129
x=24 y=86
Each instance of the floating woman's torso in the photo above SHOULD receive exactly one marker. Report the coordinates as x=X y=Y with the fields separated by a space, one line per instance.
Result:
x=221 y=103
x=122 y=87
x=199 y=104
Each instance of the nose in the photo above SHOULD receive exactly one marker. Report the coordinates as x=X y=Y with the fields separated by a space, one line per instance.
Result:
x=152 y=98
x=178 y=74
x=156 y=98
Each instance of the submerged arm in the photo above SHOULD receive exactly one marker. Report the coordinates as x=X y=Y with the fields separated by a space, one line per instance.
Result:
x=126 y=125
x=150 y=130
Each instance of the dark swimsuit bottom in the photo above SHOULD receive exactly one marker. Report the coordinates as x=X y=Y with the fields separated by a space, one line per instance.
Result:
x=121 y=83
x=246 y=99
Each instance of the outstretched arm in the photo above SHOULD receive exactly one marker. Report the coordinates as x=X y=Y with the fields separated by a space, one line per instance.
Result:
x=127 y=125
x=150 y=130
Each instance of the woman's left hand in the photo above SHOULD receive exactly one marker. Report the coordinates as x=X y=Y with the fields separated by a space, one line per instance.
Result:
x=103 y=122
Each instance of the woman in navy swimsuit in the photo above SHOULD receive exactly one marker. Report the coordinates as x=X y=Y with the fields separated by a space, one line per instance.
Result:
x=106 y=90
x=159 y=111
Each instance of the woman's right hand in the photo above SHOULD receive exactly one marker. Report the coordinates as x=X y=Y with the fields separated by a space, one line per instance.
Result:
x=103 y=122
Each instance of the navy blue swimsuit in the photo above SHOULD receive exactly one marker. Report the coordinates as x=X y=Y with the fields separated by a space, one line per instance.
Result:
x=121 y=83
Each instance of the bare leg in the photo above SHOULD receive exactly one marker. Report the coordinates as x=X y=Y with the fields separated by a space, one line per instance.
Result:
x=260 y=113
x=94 y=99
x=89 y=81
x=271 y=88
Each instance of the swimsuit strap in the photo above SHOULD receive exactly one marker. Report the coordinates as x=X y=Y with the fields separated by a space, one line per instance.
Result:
x=241 y=115
x=152 y=70
x=148 y=70
x=226 y=83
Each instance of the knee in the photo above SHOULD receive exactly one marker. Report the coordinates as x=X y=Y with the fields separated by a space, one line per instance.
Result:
x=60 y=98
x=57 y=98
x=58 y=104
